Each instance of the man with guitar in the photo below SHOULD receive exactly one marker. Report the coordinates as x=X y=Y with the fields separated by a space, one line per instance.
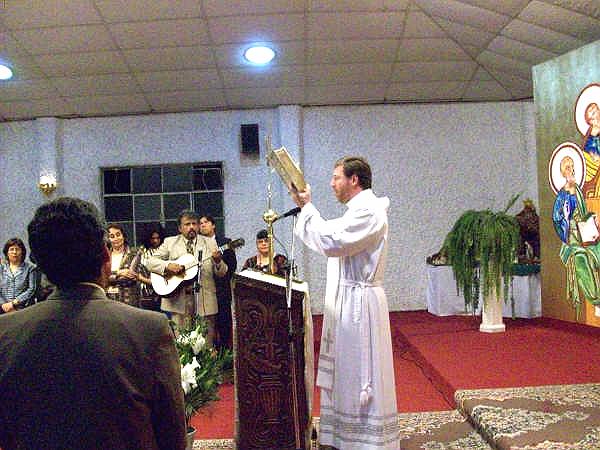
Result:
x=195 y=292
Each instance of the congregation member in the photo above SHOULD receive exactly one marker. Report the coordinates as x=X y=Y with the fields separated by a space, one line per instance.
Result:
x=18 y=278
x=355 y=369
x=123 y=280
x=260 y=261
x=81 y=371
x=197 y=297
x=152 y=240
x=223 y=323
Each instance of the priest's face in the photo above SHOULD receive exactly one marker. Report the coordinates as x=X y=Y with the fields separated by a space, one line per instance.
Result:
x=342 y=185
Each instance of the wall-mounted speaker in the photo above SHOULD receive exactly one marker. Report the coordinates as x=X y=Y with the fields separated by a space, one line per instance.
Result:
x=249 y=134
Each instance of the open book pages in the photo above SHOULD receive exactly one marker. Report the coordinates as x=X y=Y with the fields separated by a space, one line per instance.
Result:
x=280 y=160
x=588 y=230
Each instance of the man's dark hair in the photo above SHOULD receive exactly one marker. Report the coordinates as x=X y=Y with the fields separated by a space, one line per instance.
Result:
x=355 y=165
x=208 y=218
x=262 y=234
x=187 y=213
x=19 y=243
x=67 y=238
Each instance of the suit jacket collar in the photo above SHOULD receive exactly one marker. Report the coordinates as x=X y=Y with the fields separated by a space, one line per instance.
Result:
x=80 y=291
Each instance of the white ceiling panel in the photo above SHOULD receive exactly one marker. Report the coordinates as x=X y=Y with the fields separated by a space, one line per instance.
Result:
x=30 y=89
x=263 y=97
x=351 y=51
x=503 y=64
x=347 y=73
x=473 y=16
x=144 y=10
x=180 y=80
x=482 y=75
x=465 y=35
x=357 y=5
x=356 y=25
x=280 y=76
x=420 y=25
x=578 y=25
x=346 y=93
x=434 y=71
x=169 y=58
x=519 y=50
x=507 y=7
x=79 y=64
x=115 y=57
x=544 y=38
x=269 y=28
x=187 y=101
x=163 y=33
x=430 y=50
x=433 y=91
x=25 y=109
x=103 y=105
x=113 y=84
x=23 y=14
x=590 y=8
x=65 y=39
x=214 y=8
x=486 y=91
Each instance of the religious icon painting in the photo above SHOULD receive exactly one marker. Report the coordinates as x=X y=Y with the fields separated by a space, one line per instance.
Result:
x=587 y=121
x=566 y=150
x=575 y=224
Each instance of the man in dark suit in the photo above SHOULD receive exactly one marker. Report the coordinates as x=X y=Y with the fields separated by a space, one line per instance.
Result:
x=80 y=371
x=223 y=284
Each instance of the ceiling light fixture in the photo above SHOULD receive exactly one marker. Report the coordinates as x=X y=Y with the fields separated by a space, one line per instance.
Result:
x=259 y=54
x=5 y=72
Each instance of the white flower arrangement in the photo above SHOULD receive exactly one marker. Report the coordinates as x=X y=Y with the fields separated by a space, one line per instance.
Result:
x=201 y=366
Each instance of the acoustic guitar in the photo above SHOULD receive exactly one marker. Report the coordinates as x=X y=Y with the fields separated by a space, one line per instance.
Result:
x=164 y=285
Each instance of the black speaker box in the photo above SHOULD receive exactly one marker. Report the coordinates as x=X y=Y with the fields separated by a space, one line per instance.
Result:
x=250 y=138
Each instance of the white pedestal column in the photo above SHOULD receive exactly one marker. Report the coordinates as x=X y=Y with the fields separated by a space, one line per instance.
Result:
x=491 y=314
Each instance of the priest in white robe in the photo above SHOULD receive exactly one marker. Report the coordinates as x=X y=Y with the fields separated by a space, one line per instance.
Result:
x=355 y=372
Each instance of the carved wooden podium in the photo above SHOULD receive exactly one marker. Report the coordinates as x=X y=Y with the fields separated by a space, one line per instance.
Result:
x=273 y=369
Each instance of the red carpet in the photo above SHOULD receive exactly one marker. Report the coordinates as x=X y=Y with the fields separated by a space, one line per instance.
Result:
x=434 y=356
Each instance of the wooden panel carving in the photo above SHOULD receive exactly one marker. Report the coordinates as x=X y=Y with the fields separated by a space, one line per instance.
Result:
x=266 y=359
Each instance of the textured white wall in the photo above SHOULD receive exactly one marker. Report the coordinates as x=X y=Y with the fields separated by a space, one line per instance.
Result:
x=433 y=161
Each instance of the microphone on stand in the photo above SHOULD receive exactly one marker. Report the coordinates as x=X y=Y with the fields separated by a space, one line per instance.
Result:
x=291 y=212
x=197 y=281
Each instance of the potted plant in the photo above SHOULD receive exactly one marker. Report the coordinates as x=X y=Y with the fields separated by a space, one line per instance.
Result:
x=481 y=248
x=202 y=369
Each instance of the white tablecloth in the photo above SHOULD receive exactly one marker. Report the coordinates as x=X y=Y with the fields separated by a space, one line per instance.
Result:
x=442 y=299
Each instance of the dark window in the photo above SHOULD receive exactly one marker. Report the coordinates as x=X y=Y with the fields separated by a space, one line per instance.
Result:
x=140 y=197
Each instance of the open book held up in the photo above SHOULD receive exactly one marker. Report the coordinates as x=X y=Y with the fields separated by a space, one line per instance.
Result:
x=280 y=160
x=588 y=231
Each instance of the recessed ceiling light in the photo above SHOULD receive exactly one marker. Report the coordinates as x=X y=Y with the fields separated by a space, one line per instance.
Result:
x=259 y=54
x=5 y=72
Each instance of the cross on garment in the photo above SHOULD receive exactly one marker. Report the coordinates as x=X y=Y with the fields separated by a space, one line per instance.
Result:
x=327 y=340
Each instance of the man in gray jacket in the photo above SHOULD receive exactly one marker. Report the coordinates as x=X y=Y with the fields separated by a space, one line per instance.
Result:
x=80 y=371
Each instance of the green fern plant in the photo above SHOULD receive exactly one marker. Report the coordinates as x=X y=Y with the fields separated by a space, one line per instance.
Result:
x=481 y=248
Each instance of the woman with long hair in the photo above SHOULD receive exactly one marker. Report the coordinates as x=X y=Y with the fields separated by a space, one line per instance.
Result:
x=124 y=262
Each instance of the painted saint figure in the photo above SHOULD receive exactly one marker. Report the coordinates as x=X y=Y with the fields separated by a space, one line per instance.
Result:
x=582 y=261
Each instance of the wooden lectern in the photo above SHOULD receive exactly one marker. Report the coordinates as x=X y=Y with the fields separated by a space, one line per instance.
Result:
x=273 y=369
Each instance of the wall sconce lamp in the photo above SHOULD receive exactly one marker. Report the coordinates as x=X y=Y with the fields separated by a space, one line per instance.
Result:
x=47 y=183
